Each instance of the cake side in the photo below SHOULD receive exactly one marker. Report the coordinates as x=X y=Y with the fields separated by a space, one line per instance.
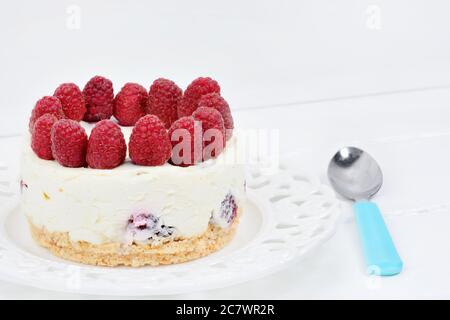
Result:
x=103 y=206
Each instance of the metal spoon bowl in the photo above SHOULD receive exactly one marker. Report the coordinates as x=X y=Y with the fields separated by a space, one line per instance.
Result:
x=354 y=174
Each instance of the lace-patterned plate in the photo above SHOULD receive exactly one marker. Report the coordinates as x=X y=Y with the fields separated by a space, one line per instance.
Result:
x=287 y=215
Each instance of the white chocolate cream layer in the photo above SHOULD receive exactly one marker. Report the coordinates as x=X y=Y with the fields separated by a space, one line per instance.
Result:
x=96 y=205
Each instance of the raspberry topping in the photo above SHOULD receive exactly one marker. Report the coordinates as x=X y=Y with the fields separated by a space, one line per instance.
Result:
x=99 y=96
x=69 y=142
x=149 y=142
x=163 y=99
x=47 y=104
x=40 y=138
x=214 y=100
x=194 y=92
x=106 y=147
x=130 y=104
x=72 y=101
x=213 y=131
x=168 y=125
x=187 y=143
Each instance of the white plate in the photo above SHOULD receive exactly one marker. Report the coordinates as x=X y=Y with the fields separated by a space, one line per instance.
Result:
x=286 y=216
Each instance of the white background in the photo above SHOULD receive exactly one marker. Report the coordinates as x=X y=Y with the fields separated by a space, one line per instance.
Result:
x=326 y=73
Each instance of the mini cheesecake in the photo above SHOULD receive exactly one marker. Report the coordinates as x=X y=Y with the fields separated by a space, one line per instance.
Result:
x=132 y=215
x=87 y=201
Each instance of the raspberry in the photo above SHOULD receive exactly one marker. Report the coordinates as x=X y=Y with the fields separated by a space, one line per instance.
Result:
x=194 y=92
x=213 y=131
x=106 y=147
x=149 y=142
x=40 y=139
x=130 y=104
x=99 y=96
x=69 y=142
x=47 y=104
x=227 y=213
x=72 y=101
x=163 y=99
x=214 y=100
x=187 y=143
x=143 y=226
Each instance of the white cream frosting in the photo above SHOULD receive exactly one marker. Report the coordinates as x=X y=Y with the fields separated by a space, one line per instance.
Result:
x=94 y=205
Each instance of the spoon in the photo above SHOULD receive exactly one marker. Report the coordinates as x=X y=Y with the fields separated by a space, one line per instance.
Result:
x=354 y=174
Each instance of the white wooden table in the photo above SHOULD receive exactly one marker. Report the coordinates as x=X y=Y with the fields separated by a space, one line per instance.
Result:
x=317 y=71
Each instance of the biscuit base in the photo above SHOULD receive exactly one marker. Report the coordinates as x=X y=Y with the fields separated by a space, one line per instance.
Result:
x=134 y=255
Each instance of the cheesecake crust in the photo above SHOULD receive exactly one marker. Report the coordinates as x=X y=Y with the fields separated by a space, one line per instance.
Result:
x=173 y=251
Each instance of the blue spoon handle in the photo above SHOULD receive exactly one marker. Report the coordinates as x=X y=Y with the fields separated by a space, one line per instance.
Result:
x=378 y=248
